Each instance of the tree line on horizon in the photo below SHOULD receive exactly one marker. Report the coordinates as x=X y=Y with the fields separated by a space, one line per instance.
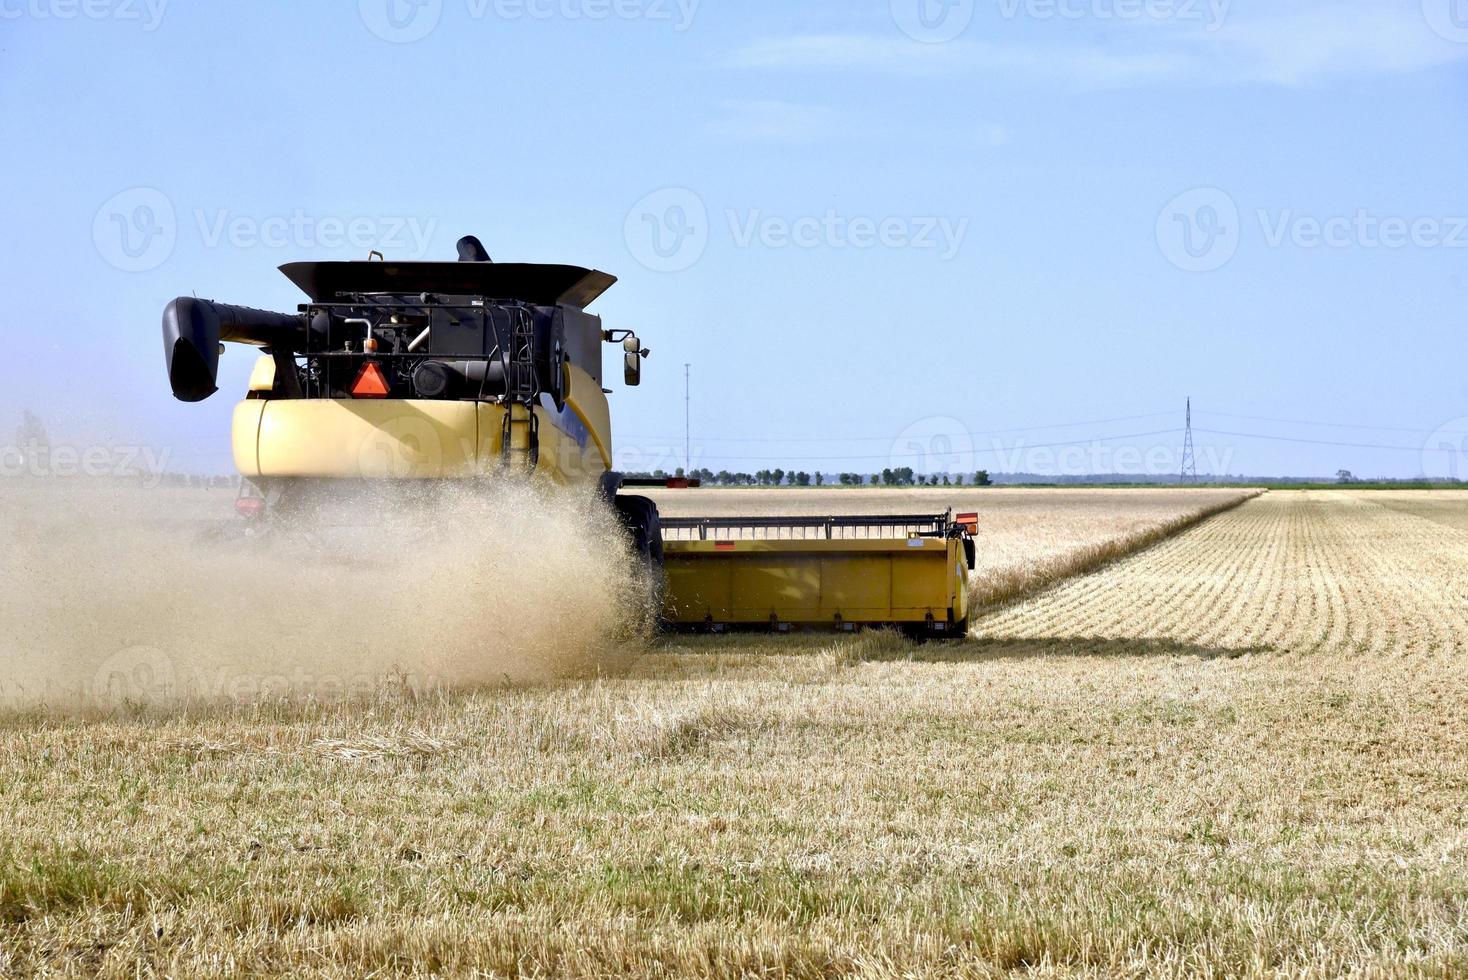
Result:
x=900 y=477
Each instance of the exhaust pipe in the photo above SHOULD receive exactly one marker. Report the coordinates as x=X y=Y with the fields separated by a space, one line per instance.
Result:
x=193 y=329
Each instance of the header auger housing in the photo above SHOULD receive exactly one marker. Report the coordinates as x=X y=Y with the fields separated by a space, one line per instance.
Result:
x=464 y=370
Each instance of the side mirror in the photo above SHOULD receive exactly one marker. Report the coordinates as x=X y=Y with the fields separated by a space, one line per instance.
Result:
x=632 y=361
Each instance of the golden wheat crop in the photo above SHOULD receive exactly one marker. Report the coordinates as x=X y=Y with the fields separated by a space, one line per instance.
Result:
x=1296 y=572
x=1238 y=753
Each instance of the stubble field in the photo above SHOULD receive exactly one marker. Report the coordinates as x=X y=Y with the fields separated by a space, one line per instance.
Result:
x=1240 y=752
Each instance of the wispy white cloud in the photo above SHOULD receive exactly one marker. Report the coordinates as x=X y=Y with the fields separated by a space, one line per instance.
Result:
x=844 y=52
x=775 y=121
x=1311 y=43
x=1297 y=46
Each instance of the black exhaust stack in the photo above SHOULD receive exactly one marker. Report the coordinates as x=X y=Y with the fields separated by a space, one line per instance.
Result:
x=472 y=249
x=193 y=329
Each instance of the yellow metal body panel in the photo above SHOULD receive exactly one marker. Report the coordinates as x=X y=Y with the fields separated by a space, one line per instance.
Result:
x=816 y=582
x=262 y=375
x=393 y=439
x=245 y=437
x=585 y=397
x=396 y=440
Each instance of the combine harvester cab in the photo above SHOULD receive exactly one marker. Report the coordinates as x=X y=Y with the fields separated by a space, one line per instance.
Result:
x=833 y=572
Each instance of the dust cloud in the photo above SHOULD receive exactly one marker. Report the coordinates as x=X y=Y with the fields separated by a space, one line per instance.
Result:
x=113 y=596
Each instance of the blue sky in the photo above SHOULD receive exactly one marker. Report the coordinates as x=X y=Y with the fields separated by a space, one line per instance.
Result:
x=1014 y=234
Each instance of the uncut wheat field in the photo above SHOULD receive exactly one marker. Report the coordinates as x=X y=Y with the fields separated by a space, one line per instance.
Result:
x=1194 y=734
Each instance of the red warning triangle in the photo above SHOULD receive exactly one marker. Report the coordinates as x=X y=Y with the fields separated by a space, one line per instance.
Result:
x=370 y=382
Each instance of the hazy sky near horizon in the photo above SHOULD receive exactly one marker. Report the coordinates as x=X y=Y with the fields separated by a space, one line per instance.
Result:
x=1009 y=234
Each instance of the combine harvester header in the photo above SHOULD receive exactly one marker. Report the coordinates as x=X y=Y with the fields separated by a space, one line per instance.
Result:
x=831 y=572
x=467 y=371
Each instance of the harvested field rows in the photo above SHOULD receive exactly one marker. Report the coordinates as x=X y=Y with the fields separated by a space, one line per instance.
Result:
x=1301 y=572
x=1100 y=786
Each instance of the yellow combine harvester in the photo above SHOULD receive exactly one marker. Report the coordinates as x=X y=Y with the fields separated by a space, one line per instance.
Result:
x=468 y=370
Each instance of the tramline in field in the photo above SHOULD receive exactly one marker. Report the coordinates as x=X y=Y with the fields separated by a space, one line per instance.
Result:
x=415 y=372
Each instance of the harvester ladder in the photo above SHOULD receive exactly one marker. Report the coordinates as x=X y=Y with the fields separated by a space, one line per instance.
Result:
x=520 y=439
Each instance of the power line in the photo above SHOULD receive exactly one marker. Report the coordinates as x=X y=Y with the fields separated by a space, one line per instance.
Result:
x=1323 y=442
x=1327 y=425
x=1062 y=425
x=889 y=438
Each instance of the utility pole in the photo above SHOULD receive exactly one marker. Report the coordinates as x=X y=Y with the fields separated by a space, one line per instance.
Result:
x=687 y=421
x=1190 y=464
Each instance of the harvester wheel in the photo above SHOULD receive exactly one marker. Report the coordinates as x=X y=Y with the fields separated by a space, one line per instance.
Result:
x=640 y=517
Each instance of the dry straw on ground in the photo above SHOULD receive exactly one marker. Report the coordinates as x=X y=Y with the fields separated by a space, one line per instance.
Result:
x=1239 y=753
